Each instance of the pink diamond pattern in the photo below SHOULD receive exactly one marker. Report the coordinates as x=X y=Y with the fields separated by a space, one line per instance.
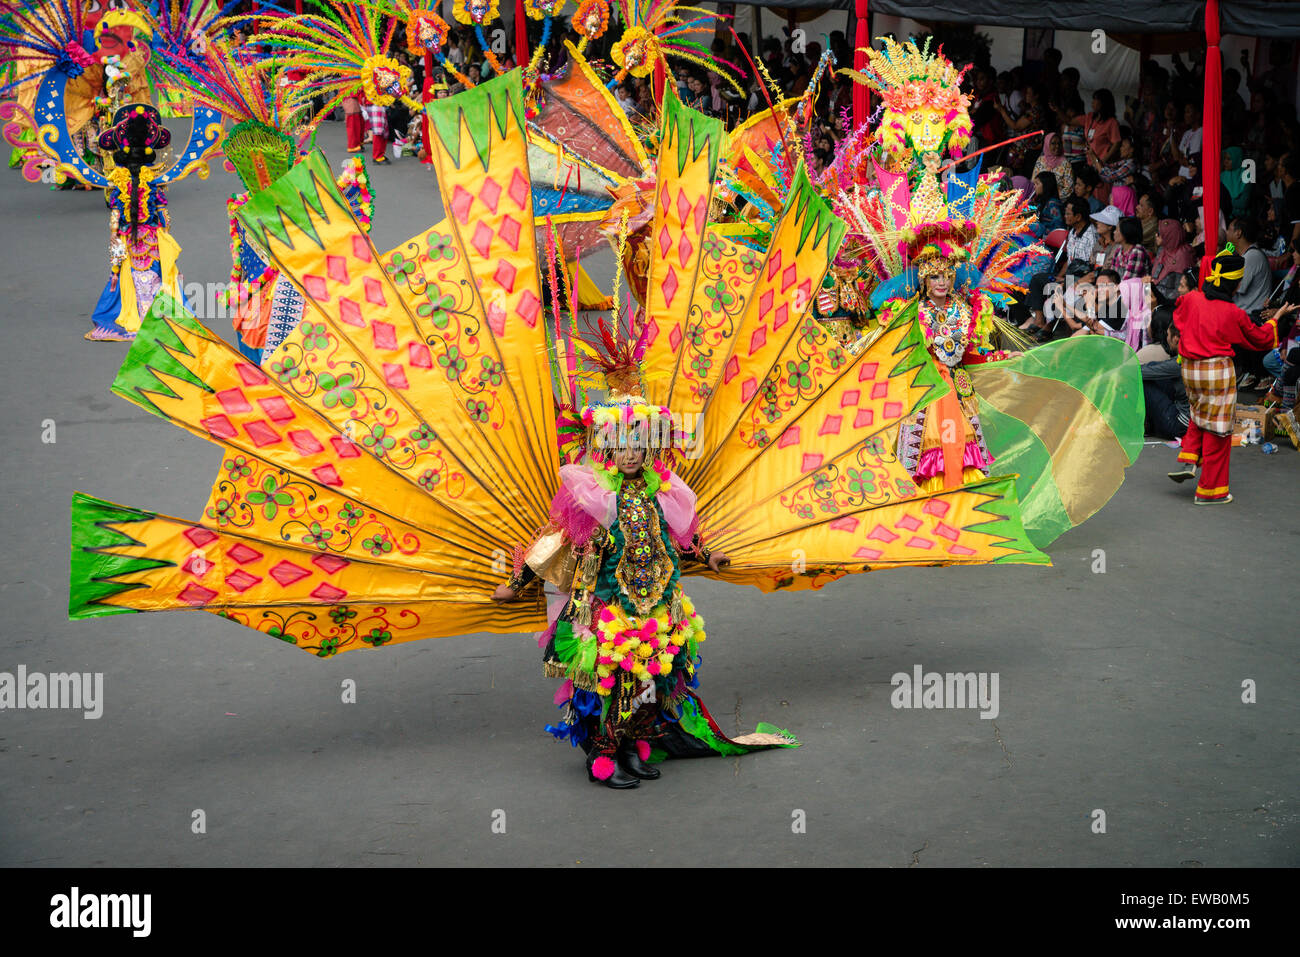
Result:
x=276 y=409
x=869 y=554
x=350 y=313
x=286 y=573
x=490 y=194
x=395 y=376
x=199 y=536
x=337 y=269
x=675 y=337
x=758 y=339
x=193 y=594
x=482 y=238
x=305 y=443
x=701 y=210
x=385 y=336
x=936 y=507
x=329 y=564
x=849 y=398
x=665 y=241
x=251 y=374
x=241 y=581
x=748 y=388
x=461 y=201
x=909 y=523
x=774 y=264
x=960 y=550
x=863 y=419
x=528 y=307
x=664 y=201
x=944 y=530
x=496 y=317
x=261 y=433
x=893 y=410
x=518 y=190
x=831 y=426
x=880 y=390
x=788 y=277
x=343 y=448
x=867 y=371
x=730 y=370
x=505 y=276
x=789 y=437
x=316 y=288
x=361 y=248
x=194 y=563
x=218 y=426
x=811 y=460
x=781 y=317
x=846 y=523
x=684 y=250
x=510 y=232
x=669 y=286
x=374 y=291
x=327 y=592
x=241 y=553
x=683 y=207
x=882 y=534
x=765 y=303
x=233 y=401
x=916 y=541
x=420 y=357
x=327 y=475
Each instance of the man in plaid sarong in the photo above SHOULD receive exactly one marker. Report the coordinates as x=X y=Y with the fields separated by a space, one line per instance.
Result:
x=376 y=118
x=1209 y=325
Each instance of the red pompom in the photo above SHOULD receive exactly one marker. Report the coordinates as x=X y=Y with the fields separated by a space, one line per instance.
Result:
x=603 y=768
x=643 y=750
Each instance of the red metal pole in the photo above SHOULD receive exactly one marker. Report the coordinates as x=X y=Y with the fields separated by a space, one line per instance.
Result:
x=1211 y=137
x=861 y=40
x=297 y=7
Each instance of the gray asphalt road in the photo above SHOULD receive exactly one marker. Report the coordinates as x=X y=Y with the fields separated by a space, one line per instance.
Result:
x=1119 y=692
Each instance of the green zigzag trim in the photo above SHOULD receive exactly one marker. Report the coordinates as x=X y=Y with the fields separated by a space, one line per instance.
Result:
x=814 y=212
x=290 y=198
x=915 y=355
x=693 y=131
x=92 y=569
x=1004 y=506
x=499 y=100
x=155 y=353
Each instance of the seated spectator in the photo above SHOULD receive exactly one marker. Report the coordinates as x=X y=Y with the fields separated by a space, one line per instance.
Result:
x=1086 y=182
x=1132 y=261
x=1047 y=202
x=1146 y=214
x=1073 y=258
x=1167 y=408
x=1174 y=254
x=1257 y=281
x=1099 y=310
x=1234 y=181
x=1052 y=160
x=1107 y=247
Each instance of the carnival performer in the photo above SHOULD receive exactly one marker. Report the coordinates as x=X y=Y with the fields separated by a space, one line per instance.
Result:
x=428 y=417
x=142 y=252
x=1209 y=325
x=943 y=444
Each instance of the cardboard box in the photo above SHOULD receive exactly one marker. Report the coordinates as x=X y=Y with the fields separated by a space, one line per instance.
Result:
x=1245 y=416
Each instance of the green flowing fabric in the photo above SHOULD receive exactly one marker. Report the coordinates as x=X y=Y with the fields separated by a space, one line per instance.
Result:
x=1067 y=417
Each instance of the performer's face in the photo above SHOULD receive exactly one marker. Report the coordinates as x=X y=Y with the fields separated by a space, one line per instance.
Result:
x=629 y=460
x=939 y=285
x=925 y=128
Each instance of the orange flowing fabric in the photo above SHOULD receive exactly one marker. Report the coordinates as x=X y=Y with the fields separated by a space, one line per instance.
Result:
x=948 y=409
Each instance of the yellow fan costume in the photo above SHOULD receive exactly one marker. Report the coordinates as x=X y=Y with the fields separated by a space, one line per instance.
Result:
x=408 y=434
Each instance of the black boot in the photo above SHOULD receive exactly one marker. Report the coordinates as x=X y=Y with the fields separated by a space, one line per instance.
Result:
x=618 y=778
x=630 y=761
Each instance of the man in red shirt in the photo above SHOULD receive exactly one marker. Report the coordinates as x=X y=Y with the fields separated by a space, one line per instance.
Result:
x=1209 y=325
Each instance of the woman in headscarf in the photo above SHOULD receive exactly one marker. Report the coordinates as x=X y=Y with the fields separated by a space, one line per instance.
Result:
x=1052 y=160
x=1235 y=182
x=1173 y=255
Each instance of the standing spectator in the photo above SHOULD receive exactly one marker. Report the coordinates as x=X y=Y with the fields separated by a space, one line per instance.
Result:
x=1189 y=144
x=1290 y=194
x=1101 y=130
x=1033 y=117
x=1074 y=144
